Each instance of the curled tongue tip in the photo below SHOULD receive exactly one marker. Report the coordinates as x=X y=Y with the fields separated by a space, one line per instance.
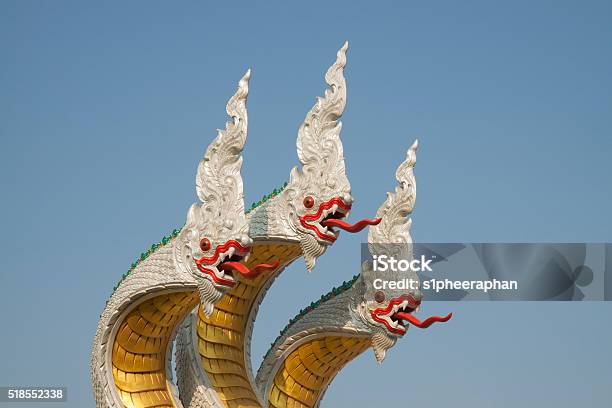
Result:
x=249 y=273
x=356 y=227
x=425 y=323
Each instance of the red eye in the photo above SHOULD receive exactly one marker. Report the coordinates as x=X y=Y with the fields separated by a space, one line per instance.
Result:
x=204 y=244
x=379 y=296
x=308 y=202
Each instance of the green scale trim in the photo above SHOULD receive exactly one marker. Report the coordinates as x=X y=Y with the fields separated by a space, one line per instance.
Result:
x=164 y=241
x=267 y=197
x=324 y=298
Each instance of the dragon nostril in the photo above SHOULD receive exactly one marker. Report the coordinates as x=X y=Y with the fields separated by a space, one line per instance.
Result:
x=379 y=296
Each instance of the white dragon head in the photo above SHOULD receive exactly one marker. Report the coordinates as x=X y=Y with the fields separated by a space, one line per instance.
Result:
x=388 y=298
x=318 y=194
x=215 y=237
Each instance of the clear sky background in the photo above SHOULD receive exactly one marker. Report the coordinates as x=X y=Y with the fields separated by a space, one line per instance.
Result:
x=105 y=110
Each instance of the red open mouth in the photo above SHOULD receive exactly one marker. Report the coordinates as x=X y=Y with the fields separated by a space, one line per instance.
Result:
x=330 y=215
x=226 y=259
x=400 y=309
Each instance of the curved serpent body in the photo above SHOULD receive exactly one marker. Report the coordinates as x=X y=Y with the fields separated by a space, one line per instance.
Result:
x=213 y=352
x=140 y=320
x=129 y=360
x=350 y=319
x=312 y=350
x=130 y=363
x=215 y=349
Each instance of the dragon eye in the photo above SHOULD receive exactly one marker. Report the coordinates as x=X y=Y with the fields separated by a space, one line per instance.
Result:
x=204 y=244
x=308 y=202
x=379 y=296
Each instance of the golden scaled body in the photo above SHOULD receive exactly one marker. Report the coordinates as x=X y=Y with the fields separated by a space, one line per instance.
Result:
x=308 y=370
x=139 y=349
x=221 y=338
x=141 y=343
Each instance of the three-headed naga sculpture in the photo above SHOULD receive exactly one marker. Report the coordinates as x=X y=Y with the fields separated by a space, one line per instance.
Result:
x=203 y=284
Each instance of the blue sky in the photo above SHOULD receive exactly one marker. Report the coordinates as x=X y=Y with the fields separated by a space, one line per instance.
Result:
x=106 y=109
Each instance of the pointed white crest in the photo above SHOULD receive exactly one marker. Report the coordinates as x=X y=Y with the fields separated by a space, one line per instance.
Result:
x=218 y=182
x=318 y=143
x=395 y=227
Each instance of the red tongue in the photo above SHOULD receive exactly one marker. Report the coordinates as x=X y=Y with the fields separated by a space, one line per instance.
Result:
x=422 y=324
x=356 y=227
x=246 y=272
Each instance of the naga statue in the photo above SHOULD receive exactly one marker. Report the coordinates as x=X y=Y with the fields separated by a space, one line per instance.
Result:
x=348 y=320
x=130 y=357
x=222 y=262
x=213 y=352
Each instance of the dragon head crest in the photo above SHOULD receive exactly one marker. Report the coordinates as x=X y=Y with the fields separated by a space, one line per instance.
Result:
x=389 y=295
x=318 y=194
x=391 y=237
x=215 y=237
